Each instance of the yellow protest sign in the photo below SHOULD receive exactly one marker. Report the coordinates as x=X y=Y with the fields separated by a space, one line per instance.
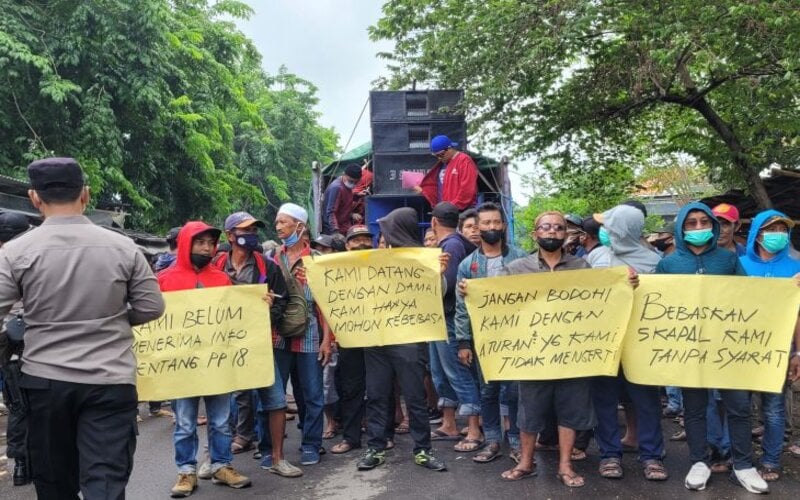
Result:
x=544 y=326
x=721 y=332
x=379 y=297
x=208 y=341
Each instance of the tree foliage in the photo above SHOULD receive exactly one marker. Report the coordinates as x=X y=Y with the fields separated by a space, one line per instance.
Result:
x=163 y=102
x=585 y=84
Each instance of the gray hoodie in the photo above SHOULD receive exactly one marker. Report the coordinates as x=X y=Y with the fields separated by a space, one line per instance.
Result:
x=624 y=225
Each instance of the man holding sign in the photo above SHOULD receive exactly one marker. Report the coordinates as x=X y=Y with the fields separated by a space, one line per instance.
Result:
x=197 y=244
x=570 y=398
x=696 y=252
x=767 y=255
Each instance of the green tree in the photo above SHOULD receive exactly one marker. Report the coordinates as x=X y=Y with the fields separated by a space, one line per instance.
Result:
x=574 y=81
x=155 y=98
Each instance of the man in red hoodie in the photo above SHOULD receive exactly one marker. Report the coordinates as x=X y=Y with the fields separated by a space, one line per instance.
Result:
x=454 y=178
x=197 y=245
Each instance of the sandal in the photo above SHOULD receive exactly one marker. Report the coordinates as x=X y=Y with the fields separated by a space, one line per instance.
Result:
x=488 y=454
x=342 y=447
x=678 y=436
x=770 y=473
x=794 y=450
x=572 y=480
x=438 y=435
x=329 y=434
x=514 y=454
x=517 y=474
x=402 y=428
x=240 y=445
x=467 y=445
x=577 y=455
x=611 y=468
x=654 y=470
x=389 y=444
x=721 y=466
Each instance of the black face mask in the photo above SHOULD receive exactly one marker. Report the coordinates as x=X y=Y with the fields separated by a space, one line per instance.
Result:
x=661 y=244
x=492 y=236
x=200 y=261
x=550 y=244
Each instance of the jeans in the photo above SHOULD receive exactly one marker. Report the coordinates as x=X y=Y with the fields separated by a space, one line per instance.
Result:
x=218 y=411
x=774 y=408
x=455 y=383
x=646 y=403
x=737 y=409
x=717 y=425
x=490 y=411
x=309 y=375
x=674 y=398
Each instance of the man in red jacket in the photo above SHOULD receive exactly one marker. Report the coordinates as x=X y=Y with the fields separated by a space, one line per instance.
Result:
x=454 y=178
x=197 y=245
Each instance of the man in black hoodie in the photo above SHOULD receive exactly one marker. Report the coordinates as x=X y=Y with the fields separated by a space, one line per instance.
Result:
x=405 y=362
x=455 y=382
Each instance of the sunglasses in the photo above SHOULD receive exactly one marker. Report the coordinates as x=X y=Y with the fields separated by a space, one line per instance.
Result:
x=547 y=227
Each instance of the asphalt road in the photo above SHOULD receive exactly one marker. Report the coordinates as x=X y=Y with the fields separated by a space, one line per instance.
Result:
x=336 y=477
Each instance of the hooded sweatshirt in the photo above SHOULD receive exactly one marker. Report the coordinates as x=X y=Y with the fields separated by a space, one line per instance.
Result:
x=458 y=247
x=400 y=228
x=712 y=260
x=182 y=275
x=781 y=265
x=624 y=225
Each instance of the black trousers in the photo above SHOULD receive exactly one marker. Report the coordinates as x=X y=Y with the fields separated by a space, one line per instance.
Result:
x=406 y=362
x=83 y=438
x=350 y=383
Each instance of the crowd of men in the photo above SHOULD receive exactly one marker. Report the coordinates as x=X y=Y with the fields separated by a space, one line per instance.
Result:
x=77 y=368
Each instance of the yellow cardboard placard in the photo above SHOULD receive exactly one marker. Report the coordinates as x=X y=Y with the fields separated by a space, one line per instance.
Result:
x=208 y=341
x=379 y=297
x=543 y=326
x=721 y=332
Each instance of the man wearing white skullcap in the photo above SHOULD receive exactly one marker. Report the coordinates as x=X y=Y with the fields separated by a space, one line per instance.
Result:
x=309 y=352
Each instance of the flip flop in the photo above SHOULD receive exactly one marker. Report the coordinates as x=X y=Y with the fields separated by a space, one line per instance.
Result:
x=438 y=435
x=328 y=434
x=573 y=480
x=478 y=444
x=516 y=474
x=240 y=446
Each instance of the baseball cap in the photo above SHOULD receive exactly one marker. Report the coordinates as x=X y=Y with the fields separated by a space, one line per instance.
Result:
x=446 y=213
x=667 y=228
x=240 y=220
x=728 y=212
x=358 y=230
x=440 y=143
x=323 y=240
x=573 y=219
x=590 y=226
x=778 y=218
x=55 y=173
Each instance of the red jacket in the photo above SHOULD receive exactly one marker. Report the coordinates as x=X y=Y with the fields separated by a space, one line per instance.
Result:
x=182 y=275
x=460 y=186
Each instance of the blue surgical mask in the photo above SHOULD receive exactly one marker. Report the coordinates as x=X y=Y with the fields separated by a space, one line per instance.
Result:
x=294 y=238
x=698 y=237
x=774 y=242
x=604 y=237
x=248 y=241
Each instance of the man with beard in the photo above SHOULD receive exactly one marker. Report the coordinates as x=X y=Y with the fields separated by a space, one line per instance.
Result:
x=487 y=261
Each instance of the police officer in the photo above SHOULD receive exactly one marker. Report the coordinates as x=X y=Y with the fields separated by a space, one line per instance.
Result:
x=83 y=287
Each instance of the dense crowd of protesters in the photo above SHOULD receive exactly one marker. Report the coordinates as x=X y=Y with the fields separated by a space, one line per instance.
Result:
x=431 y=391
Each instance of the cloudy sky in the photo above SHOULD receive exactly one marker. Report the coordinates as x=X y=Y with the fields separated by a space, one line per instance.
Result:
x=326 y=42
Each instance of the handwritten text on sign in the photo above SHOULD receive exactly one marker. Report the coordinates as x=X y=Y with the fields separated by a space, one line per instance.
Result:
x=209 y=341
x=545 y=326
x=722 y=332
x=379 y=297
